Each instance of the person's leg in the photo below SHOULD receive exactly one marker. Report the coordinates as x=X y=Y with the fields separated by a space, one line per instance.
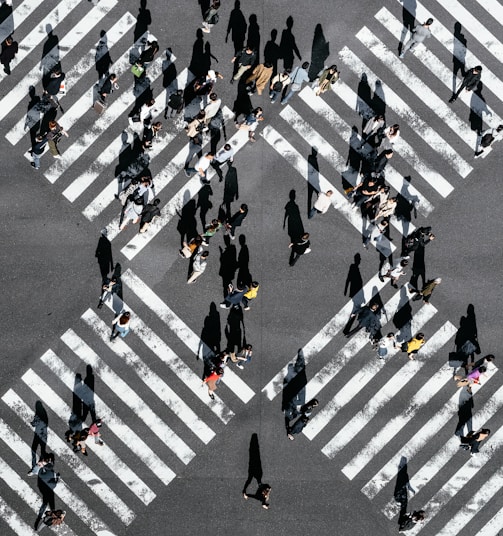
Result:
x=287 y=97
x=312 y=213
x=193 y=276
x=53 y=148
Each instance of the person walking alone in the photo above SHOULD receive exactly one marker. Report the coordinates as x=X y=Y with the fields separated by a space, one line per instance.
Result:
x=322 y=204
x=298 y=76
x=198 y=266
x=470 y=82
x=121 y=325
x=9 y=51
x=419 y=34
x=300 y=247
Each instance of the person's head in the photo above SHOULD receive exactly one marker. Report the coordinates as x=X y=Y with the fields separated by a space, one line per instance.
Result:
x=211 y=75
x=204 y=254
x=499 y=128
x=98 y=423
x=390 y=335
x=157 y=126
x=393 y=200
x=248 y=347
x=56 y=71
x=304 y=419
x=243 y=208
x=267 y=64
x=213 y=96
x=477 y=69
x=179 y=92
x=485 y=431
x=419 y=515
x=305 y=236
x=404 y=263
x=388 y=153
x=374 y=306
x=329 y=193
x=227 y=147
x=429 y=22
x=258 y=111
x=219 y=371
x=489 y=358
x=9 y=41
x=254 y=284
x=125 y=317
x=305 y=65
x=333 y=68
x=312 y=403
x=201 y=115
x=210 y=156
x=155 y=202
x=52 y=125
x=420 y=336
x=482 y=369
x=39 y=137
x=394 y=128
x=216 y=4
x=49 y=458
x=249 y=49
x=113 y=77
x=151 y=102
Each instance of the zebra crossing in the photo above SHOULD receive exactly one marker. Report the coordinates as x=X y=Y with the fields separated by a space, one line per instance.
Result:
x=157 y=415
x=358 y=424
x=161 y=445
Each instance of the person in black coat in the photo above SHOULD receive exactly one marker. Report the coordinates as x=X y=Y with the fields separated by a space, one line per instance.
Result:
x=52 y=84
x=470 y=82
x=301 y=247
x=149 y=212
x=368 y=318
x=236 y=220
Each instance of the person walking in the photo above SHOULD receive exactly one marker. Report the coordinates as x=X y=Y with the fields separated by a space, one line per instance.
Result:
x=263 y=495
x=79 y=441
x=278 y=83
x=53 y=137
x=211 y=109
x=297 y=427
x=299 y=248
x=322 y=204
x=109 y=86
x=427 y=290
x=121 y=325
x=396 y=271
x=243 y=357
x=419 y=34
x=251 y=294
x=368 y=318
x=410 y=520
x=413 y=346
x=326 y=79
x=44 y=464
x=251 y=122
x=465 y=410
x=198 y=266
x=108 y=289
x=150 y=132
x=210 y=230
x=149 y=212
x=298 y=76
x=245 y=60
x=236 y=220
x=473 y=440
x=224 y=156
x=386 y=346
x=211 y=381
x=148 y=55
x=372 y=130
x=201 y=167
x=260 y=76
x=175 y=104
x=95 y=431
x=234 y=296
x=37 y=150
x=9 y=51
x=52 y=85
x=470 y=82
x=211 y=16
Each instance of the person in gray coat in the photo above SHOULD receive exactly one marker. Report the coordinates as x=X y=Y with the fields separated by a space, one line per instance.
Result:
x=419 y=34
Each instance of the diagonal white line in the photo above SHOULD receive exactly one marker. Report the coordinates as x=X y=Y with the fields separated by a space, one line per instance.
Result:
x=17 y=17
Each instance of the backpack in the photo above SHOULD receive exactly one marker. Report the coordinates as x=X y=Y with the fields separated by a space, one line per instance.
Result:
x=486 y=140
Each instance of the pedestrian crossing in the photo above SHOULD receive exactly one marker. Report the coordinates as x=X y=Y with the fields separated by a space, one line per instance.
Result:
x=145 y=448
x=145 y=443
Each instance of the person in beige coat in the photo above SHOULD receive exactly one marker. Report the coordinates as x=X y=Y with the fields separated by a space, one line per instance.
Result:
x=261 y=74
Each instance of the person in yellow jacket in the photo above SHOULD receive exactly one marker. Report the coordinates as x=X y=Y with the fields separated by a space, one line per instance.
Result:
x=412 y=347
x=251 y=294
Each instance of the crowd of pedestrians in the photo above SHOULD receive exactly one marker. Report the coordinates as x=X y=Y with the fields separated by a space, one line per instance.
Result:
x=371 y=196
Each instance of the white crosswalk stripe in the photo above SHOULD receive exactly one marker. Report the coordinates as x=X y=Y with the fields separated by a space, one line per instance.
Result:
x=17 y=17
x=11 y=517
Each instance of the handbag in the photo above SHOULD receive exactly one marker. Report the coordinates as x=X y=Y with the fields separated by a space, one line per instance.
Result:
x=137 y=70
x=277 y=86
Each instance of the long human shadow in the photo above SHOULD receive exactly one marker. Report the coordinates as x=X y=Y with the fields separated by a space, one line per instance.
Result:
x=6 y=21
x=364 y=99
x=313 y=176
x=169 y=73
x=102 y=57
x=196 y=65
x=104 y=255
x=235 y=329
x=406 y=207
x=354 y=280
x=292 y=219
x=254 y=463
x=34 y=113
x=418 y=267
x=50 y=53
x=478 y=108
x=231 y=189
x=294 y=387
x=320 y=50
x=211 y=334
x=288 y=46
x=379 y=99
x=244 y=277
x=253 y=38
x=143 y=21
x=272 y=52
x=204 y=203
x=465 y=409
x=40 y=424
x=402 y=485
x=466 y=340
x=408 y=20
x=236 y=27
x=228 y=263
x=187 y=224
x=458 y=54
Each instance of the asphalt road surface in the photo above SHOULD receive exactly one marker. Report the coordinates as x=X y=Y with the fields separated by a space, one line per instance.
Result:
x=175 y=461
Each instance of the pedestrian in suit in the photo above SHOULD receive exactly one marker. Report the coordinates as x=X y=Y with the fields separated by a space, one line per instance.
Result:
x=9 y=51
x=236 y=220
x=419 y=34
x=52 y=85
x=300 y=247
x=470 y=82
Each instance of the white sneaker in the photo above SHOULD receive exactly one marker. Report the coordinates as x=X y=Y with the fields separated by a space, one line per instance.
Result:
x=240 y=366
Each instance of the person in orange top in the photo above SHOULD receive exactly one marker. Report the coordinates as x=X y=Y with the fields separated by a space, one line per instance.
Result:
x=211 y=381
